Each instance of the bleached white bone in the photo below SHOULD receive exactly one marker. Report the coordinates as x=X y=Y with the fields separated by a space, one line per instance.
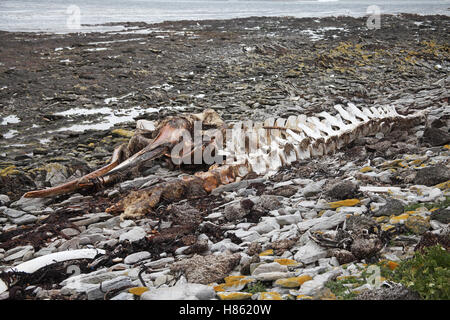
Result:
x=357 y=112
x=346 y=115
x=263 y=147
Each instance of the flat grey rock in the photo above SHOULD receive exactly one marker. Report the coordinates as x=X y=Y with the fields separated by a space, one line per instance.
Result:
x=187 y=291
x=25 y=219
x=4 y=199
x=288 y=219
x=269 y=268
x=136 y=257
x=392 y=207
x=17 y=253
x=12 y=213
x=98 y=293
x=31 y=204
x=310 y=252
x=135 y=234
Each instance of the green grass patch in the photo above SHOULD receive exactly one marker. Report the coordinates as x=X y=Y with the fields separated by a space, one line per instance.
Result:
x=427 y=273
x=342 y=289
x=255 y=287
x=429 y=205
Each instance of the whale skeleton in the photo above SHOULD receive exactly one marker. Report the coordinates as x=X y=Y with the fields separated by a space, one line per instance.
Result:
x=258 y=147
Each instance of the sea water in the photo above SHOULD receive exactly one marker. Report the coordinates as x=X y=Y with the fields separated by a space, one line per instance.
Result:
x=59 y=15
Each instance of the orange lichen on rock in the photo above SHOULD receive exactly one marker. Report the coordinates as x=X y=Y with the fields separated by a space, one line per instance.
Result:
x=344 y=203
x=232 y=279
x=399 y=219
x=390 y=264
x=234 y=283
x=219 y=287
x=270 y=296
x=287 y=262
x=234 y=295
x=268 y=252
x=293 y=282
x=443 y=185
x=137 y=291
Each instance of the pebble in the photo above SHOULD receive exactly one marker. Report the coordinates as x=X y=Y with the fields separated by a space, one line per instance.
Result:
x=98 y=292
x=266 y=226
x=70 y=232
x=342 y=190
x=138 y=182
x=430 y=176
x=313 y=188
x=313 y=286
x=180 y=250
x=310 y=252
x=4 y=200
x=160 y=263
x=234 y=295
x=31 y=204
x=247 y=236
x=71 y=244
x=224 y=245
x=12 y=213
x=44 y=251
x=94 y=238
x=269 y=296
x=25 y=219
x=109 y=224
x=137 y=257
x=392 y=207
x=329 y=222
x=435 y=136
x=135 y=234
x=154 y=275
x=441 y=215
x=293 y=282
x=90 y=218
x=269 y=202
x=324 y=223
x=269 y=268
x=272 y=276
x=123 y=296
x=214 y=216
x=159 y=281
x=17 y=253
x=417 y=224
x=187 y=291
x=235 y=211
x=127 y=224
x=288 y=219
x=90 y=281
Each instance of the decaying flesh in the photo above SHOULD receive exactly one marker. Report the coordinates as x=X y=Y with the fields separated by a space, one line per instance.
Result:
x=258 y=147
x=140 y=149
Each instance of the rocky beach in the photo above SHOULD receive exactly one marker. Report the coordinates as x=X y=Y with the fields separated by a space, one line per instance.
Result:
x=357 y=224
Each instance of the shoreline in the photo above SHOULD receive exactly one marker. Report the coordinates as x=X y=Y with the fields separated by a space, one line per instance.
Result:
x=141 y=23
